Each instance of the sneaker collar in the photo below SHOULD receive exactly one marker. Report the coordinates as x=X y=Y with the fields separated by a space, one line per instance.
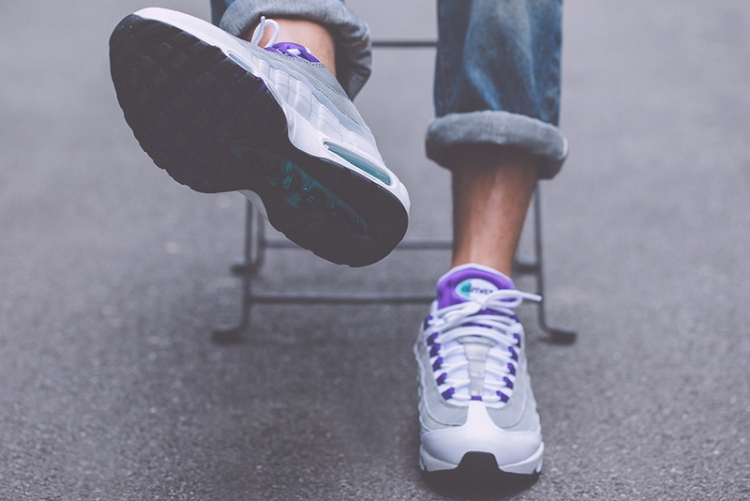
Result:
x=287 y=48
x=470 y=281
x=294 y=50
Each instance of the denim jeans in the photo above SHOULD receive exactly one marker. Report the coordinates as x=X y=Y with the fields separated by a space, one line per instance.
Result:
x=497 y=74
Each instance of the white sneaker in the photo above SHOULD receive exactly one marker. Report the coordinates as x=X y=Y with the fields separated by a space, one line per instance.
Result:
x=475 y=398
x=222 y=114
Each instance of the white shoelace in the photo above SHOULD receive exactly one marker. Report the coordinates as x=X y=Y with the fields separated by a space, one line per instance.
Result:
x=261 y=29
x=458 y=337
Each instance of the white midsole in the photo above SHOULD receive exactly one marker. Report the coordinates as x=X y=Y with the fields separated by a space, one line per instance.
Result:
x=311 y=124
x=517 y=451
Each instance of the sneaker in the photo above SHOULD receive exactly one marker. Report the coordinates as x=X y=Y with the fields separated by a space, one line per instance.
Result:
x=222 y=114
x=476 y=406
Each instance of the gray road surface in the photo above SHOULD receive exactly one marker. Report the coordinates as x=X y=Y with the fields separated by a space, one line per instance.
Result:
x=112 y=276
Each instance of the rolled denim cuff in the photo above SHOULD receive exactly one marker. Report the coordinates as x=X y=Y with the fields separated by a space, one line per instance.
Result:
x=352 y=36
x=501 y=128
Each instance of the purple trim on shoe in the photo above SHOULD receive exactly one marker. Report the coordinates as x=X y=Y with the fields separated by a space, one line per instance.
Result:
x=513 y=353
x=447 y=394
x=437 y=363
x=435 y=351
x=294 y=50
x=447 y=293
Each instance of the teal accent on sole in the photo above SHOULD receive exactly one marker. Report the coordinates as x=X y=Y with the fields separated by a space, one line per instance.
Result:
x=360 y=163
x=300 y=190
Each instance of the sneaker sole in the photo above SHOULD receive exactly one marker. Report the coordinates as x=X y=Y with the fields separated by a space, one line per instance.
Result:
x=481 y=463
x=477 y=476
x=215 y=127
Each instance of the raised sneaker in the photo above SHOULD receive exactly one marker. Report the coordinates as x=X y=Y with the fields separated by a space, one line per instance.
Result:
x=476 y=406
x=221 y=114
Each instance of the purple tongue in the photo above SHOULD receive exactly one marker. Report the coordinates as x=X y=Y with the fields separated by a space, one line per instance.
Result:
x=469 y=282
x=294 y=50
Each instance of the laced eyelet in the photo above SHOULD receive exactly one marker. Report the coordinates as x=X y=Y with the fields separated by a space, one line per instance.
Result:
x=490 y=325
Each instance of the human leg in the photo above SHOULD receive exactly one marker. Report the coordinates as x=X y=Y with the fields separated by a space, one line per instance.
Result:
x=497 y=114
x=492 y=188
x=497 y=101
x=221 y=114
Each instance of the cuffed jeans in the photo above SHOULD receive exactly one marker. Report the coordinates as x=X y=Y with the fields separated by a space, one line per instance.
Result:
x=497 y=75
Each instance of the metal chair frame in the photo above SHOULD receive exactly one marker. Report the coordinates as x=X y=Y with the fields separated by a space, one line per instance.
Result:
x=256 y=245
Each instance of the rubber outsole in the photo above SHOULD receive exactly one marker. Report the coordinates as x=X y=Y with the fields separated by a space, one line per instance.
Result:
x=215 y=127
x=478 y=475
x=484 y=463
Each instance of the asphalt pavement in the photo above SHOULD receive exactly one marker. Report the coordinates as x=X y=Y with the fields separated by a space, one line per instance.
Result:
x=112 y=277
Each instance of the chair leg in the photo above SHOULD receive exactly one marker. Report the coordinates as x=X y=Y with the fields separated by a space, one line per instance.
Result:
x=556 y=335
x=246 y=269
x=255 y=246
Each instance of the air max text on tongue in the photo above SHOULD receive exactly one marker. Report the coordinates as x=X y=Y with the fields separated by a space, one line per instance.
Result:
x=475 y=288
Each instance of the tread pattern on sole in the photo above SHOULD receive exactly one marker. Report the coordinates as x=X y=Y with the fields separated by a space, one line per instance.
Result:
x=215 y=127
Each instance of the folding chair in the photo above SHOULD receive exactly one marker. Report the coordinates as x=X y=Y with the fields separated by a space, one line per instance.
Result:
x=256 y=245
